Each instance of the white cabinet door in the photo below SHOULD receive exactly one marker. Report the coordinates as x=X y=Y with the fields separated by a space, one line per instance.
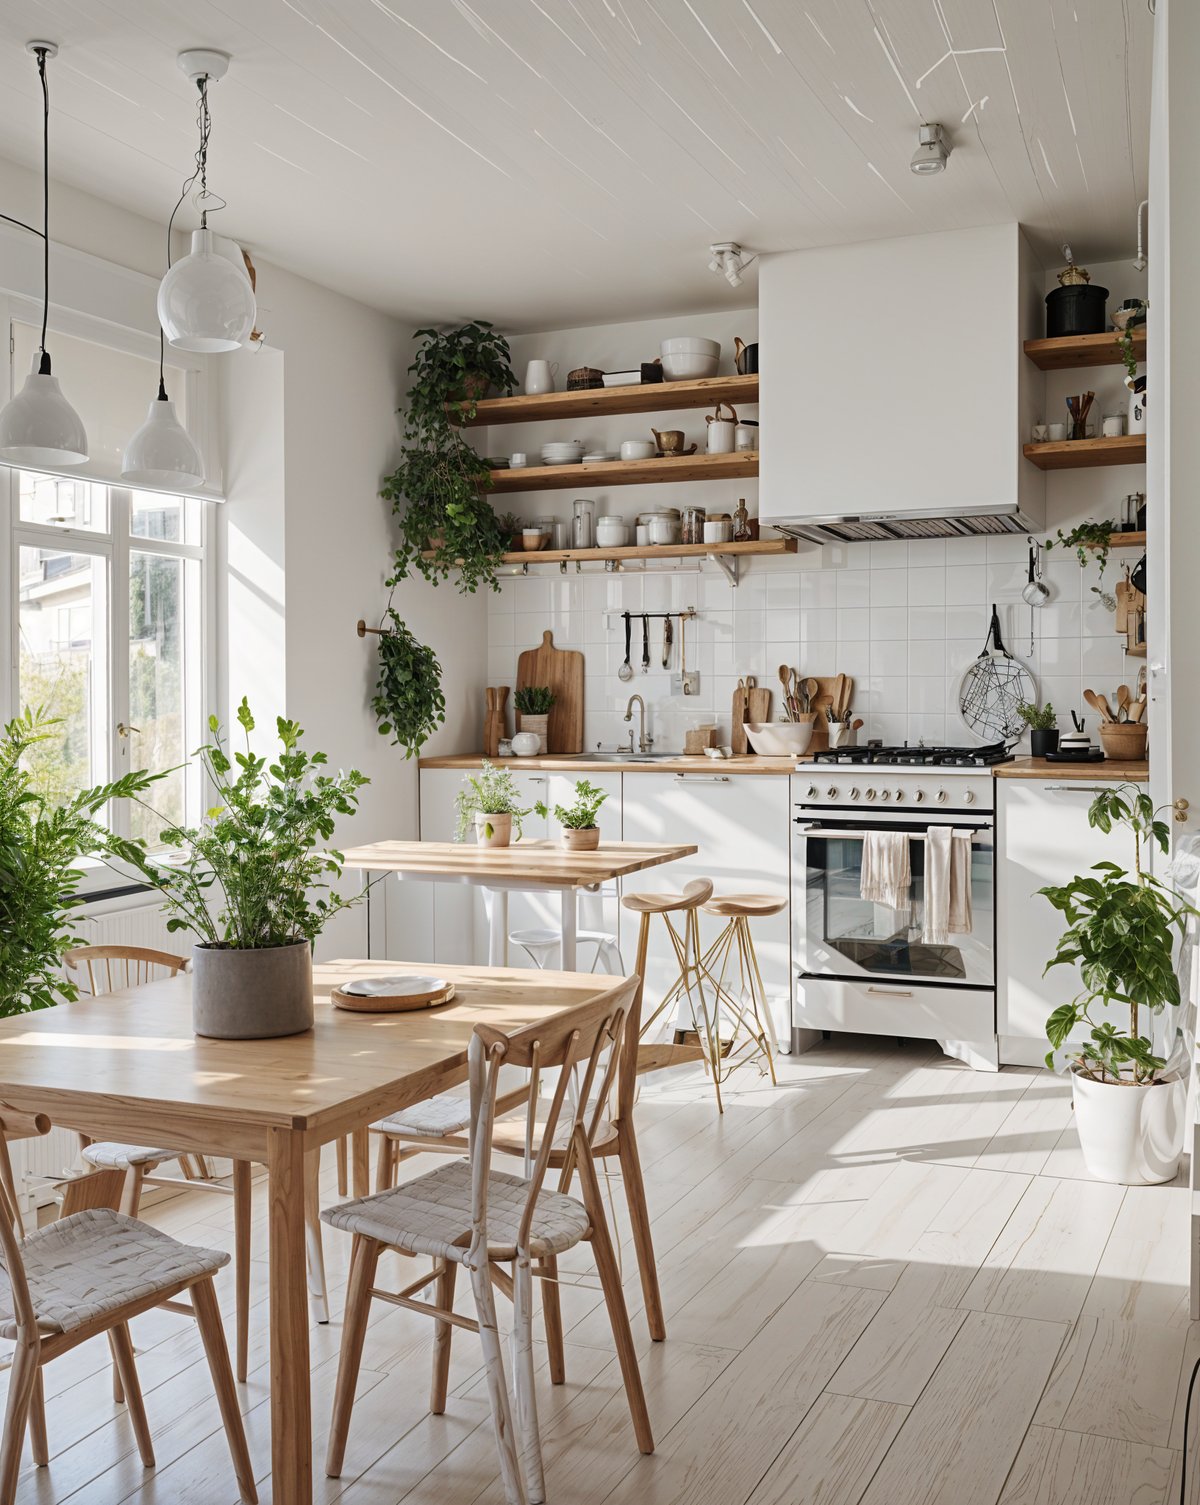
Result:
x=442 y=913
x=1042 y=838
x=741 y=825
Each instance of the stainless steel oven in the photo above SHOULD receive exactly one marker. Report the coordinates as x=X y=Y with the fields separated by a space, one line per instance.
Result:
x=862 y=965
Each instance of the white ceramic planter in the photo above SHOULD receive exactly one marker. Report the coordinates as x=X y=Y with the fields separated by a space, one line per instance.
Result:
x=493 y=830
x=1130 y=1135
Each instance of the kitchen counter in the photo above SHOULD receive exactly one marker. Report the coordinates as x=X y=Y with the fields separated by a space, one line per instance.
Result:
x=1111 y=771
x=564 y=763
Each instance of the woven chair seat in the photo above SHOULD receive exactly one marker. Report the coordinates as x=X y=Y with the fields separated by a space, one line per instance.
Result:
x=110 y=1156
x=433 y=1119
x=93 y=1263
x=432 y=1215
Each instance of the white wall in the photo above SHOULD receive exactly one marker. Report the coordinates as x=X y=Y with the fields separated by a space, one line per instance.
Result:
x=905 y=619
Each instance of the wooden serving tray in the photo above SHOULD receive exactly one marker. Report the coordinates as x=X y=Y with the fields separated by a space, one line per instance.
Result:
x=393 y=1003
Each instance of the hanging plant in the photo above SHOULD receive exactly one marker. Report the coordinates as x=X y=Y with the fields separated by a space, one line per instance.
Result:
x=408 y=700
x=1090 y=540
x=439 y=490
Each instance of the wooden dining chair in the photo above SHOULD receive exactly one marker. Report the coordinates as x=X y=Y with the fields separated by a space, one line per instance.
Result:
x=89 y=1274
x=468 y=1213
x=104 y=969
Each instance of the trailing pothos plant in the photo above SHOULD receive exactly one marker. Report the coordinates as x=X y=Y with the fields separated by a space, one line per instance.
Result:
x=1121 y=931
x=41 y=846
x=408 y=700
x=258 y=871
x=1089 y=540
x=439 y=490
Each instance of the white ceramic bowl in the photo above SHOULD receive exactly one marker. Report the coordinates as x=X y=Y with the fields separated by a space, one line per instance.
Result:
x=688 y=359
x=779 y=739
x=690 y=345
x=526 y=745
x=638 y=449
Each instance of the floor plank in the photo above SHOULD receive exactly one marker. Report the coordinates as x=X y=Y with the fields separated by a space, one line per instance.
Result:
x=1066 y=1468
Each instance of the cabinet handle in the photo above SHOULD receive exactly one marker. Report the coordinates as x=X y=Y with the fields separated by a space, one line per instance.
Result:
x=702 y=778
x=892 y=992
x=1078 y=788
x=1181 y=808
x=538 y=778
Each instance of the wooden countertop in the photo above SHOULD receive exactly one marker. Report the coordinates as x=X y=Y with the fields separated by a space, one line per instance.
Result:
x=1111 y=771
x=562 y=763
x=524 y=864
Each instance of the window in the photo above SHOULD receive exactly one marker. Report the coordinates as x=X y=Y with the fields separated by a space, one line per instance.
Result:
x=109 y=585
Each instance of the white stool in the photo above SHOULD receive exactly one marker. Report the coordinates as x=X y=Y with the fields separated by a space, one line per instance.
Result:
x=540 y=944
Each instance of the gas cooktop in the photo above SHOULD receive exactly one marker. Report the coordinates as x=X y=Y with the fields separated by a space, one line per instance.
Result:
x=918 y=757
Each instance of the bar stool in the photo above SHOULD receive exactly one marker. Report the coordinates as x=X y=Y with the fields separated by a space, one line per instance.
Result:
x=687 y=992
x=748 y=1008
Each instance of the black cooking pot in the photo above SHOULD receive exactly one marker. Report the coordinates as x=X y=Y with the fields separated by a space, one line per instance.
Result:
x=1078 y=308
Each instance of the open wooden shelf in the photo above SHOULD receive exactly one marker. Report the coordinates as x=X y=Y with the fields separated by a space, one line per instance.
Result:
x=1072 y=351
x=1134 y=540
x=600 y=402
x=1081 y=454
x=628 y=472
x=655 y=551
x=1139 y=651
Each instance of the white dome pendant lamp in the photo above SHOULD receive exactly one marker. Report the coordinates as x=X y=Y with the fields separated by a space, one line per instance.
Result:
x=205 y=303
x=161 y=454
x=39 y=429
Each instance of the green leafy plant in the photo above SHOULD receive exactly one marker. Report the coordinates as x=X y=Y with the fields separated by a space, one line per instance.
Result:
x=408 y=700
x=1037 y=718
x=1128 y=358
x=439 y=490
x=493 y=792
x=1089 y=540
x=534 y=700
x=581 y=815
x=41 y=846
x=1121 y=931
x=258 y=871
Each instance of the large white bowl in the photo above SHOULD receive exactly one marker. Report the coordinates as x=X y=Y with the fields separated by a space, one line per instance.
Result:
x=779 y=739
x=689 y=359
x=690 y=345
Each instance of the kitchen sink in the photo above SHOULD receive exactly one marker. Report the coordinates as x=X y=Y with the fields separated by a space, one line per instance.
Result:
x=616 y=755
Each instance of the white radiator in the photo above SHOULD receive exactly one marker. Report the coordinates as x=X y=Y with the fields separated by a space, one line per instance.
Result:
x=39 y=1163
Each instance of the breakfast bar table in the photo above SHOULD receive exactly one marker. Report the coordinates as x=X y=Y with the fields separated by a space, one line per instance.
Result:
x=527 y=866
x=128 y=1066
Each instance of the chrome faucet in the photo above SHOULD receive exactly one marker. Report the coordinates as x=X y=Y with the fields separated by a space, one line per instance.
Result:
x=644 y=743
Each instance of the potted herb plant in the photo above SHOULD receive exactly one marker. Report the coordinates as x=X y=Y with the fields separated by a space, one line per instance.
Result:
x=533 y=704
x=41 y=846
x=1121 y=930
x=439 y=490
x=1043 y=733
x=580 y=833
x=254 y=881
x=408 y=701
x=492 y=803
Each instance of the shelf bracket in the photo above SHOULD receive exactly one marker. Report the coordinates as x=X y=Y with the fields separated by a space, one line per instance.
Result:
x=731 y=567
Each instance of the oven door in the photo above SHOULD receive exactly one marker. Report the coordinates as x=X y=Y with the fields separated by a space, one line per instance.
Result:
x=838 y=933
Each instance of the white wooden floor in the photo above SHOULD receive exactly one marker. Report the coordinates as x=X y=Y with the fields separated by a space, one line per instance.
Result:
x=887 y=1280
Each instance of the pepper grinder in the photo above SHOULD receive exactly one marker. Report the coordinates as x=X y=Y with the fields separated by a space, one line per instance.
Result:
x=741 y=522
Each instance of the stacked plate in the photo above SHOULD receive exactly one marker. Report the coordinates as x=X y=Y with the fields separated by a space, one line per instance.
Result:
x=563 y=452
x=597 y=457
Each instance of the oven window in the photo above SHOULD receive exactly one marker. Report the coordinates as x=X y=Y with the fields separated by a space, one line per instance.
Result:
x=885 y=942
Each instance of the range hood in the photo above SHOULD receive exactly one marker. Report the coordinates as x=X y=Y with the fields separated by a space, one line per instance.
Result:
x=895 y=393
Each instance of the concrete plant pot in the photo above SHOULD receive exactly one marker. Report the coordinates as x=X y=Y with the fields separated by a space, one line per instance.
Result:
x=581 y=838
x=1129 y=1135
x=253 y=994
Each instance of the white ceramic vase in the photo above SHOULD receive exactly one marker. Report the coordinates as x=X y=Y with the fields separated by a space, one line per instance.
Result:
x=493 y=830
x=1132 y=1136
x=1137 y=413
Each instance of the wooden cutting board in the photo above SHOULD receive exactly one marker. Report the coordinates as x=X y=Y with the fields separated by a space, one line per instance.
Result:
x=562 y=670
x=737 y=730
x=758 y=705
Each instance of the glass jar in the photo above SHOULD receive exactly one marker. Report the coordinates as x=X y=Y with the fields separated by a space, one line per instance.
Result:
x=583 y=524
x=691 y=524
x=741 y=522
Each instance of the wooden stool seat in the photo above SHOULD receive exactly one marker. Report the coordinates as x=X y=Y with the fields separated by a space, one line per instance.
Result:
x=694 y=894
x=750 y=905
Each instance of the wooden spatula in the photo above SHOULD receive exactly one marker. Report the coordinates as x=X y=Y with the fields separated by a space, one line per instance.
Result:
x=1100 y=704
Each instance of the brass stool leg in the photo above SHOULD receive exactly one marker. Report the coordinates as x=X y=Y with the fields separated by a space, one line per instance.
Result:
x=758 y=995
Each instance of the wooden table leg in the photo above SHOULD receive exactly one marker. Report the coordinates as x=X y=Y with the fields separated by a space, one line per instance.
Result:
x=291 y=1392
x=360 y=1162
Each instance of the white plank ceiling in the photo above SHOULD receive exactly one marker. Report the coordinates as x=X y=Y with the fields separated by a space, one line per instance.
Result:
x=551 y=162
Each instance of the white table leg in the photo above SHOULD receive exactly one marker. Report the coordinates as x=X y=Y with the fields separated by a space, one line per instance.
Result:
x=569 y=928
x=498 y=927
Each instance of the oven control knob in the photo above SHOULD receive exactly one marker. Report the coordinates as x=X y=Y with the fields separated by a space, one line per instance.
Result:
x=899 y=795
x=919 y=796
x=968 y=796
x=854 y=792
x=885 y=794
x=811 y=792
x=941 y=797
x=871 y=792
x=831 y=792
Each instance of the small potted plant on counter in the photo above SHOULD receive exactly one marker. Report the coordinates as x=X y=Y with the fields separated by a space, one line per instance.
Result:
x=1130 y=1104
x=253 y=881
x=492 y=802
x=533 y=704
x=1043 y=733
x=580 y=833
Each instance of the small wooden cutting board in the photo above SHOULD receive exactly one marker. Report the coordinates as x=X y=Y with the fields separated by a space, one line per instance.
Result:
x=562 y=670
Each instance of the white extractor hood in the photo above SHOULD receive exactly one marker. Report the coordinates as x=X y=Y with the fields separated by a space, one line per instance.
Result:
x=895 y=394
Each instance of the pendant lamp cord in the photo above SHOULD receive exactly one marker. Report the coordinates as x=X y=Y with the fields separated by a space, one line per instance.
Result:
x=44 y=363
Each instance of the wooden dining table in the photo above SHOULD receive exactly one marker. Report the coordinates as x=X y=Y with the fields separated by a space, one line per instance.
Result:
x=127 y=1066
x=525 y=866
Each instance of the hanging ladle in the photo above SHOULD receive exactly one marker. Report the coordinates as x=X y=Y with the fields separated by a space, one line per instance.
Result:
x=1036 y=592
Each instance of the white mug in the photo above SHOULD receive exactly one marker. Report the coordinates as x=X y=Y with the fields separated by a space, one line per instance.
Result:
x=721 y=434
x=1114 y=425
x=1040 y=433
x=539 y=377
x=1058 y=432
x=517 y=460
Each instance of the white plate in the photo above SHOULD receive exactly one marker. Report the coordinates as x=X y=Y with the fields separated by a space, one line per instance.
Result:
x=394 y=987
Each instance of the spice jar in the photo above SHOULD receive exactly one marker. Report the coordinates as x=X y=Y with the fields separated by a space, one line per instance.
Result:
x=691 y=522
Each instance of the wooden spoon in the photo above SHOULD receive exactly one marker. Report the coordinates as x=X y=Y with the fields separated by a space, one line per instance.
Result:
x=785 y=679
x=1137 y=710
x=1124 y=701
x=1100 y=704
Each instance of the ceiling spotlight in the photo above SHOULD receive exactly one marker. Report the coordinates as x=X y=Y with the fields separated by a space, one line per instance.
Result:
x=933 y=152
x=728 y=258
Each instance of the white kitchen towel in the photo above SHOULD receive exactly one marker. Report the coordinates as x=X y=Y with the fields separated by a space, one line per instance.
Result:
x=886 y=870
x=947 y=884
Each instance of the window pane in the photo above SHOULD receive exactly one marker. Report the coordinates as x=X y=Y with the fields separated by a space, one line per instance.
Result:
x=63 y=665
x=158 y=685
x=66 y=503
x=173 y=518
